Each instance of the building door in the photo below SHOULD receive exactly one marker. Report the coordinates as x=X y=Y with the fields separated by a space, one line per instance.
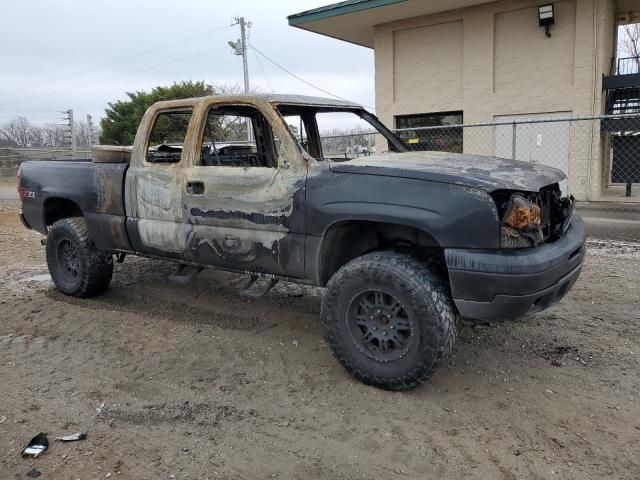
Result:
x=544 y=143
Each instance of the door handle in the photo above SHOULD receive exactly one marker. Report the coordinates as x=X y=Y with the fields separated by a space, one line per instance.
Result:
x=195 y=188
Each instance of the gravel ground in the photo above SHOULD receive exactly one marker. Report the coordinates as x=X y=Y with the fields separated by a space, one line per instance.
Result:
x=198 y=382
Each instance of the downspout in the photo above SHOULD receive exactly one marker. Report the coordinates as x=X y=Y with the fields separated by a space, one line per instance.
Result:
x=594 y=97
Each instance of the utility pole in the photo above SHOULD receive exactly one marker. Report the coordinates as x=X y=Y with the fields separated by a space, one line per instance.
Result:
x=240 y=48
x=72 y=131
x=89 y=131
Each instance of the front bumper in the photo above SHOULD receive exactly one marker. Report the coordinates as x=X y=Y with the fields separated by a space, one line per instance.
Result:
x=507 y=284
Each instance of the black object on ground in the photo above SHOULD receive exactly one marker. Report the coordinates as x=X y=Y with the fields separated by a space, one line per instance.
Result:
x=36 y=446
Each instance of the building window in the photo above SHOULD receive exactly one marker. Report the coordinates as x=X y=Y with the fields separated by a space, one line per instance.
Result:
x=412 y=131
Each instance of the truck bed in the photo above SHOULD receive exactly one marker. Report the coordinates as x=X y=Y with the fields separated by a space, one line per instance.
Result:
x=97 y=189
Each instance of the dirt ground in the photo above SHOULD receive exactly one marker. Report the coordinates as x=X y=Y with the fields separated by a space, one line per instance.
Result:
x=7 y=181
x=199 y=382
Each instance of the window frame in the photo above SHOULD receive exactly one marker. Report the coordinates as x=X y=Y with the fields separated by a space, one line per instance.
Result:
x=308 y=114
x=182 y=109
x=273 y=151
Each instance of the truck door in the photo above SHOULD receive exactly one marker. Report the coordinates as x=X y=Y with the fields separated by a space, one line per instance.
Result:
x=153 y=192
x=244 y=194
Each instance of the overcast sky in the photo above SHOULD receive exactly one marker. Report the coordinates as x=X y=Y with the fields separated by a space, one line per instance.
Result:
x=45 y=40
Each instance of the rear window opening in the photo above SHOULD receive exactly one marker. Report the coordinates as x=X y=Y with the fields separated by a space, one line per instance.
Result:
x=167 y=136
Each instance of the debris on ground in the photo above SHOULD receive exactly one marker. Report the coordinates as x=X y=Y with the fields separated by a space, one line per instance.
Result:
x=36 y=446
x=72 y=438
x=33 y=473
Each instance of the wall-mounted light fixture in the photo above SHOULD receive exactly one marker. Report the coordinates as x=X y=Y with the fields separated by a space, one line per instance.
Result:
x=546 y=17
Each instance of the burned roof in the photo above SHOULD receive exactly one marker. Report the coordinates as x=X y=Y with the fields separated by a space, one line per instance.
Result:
x=293 y=99
x=275 y=98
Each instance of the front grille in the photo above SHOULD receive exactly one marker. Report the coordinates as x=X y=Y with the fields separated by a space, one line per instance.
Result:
x=546 y=198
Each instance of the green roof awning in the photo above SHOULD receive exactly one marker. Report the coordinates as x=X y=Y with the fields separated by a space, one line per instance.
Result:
x=354 y=21
x=340 y=8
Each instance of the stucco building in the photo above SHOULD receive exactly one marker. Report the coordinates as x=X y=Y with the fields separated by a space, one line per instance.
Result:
x=470 y=61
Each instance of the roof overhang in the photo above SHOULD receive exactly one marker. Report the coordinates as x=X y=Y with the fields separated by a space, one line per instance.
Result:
x=354 y=20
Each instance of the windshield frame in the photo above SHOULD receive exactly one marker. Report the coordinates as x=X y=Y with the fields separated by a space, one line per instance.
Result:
x=308 y=114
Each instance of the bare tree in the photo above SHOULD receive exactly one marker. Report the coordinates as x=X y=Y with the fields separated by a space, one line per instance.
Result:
x=53 y=135
x=82 y=133
x=630 y=47
x=18 y=132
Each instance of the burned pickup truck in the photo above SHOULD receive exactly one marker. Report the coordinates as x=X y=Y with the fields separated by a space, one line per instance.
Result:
x=404 y=242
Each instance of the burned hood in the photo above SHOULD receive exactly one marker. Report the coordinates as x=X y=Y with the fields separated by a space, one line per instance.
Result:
x=486 y=173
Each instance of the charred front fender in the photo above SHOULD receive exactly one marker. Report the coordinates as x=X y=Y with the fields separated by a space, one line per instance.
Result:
x=455 y=216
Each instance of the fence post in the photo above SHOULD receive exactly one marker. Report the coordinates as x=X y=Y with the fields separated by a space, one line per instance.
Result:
x=514 y=136
x=89 y=131
x=72 y=130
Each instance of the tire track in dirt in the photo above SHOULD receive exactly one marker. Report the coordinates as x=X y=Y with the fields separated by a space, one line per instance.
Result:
x=147 y=347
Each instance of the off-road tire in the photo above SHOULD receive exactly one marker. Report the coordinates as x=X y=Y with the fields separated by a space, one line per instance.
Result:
x=92 y=268
x=423 y=295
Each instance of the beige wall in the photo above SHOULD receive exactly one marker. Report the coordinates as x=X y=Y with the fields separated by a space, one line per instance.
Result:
x=495 y=60
x=410 y=63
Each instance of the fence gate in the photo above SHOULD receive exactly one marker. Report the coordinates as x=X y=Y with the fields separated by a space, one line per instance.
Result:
x=626 y=160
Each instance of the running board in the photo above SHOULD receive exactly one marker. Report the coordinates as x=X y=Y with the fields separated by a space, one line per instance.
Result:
x=184 y=274
x=250 y=294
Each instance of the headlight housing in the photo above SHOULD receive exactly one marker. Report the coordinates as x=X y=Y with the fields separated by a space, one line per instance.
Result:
x=521 y=223
x=528 y=219
x=521 y=213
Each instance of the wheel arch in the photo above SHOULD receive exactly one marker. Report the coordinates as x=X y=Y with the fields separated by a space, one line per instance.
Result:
x=346 y=240
x=57 y=208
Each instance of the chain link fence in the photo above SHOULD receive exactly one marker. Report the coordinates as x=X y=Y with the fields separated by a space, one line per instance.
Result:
x=599 y=155
x=348 y=146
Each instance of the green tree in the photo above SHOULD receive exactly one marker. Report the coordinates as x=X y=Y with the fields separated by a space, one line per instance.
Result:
x=121 y=120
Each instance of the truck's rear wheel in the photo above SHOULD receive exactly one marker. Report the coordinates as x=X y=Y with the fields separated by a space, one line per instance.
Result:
x=388 y=320
x=76 y=266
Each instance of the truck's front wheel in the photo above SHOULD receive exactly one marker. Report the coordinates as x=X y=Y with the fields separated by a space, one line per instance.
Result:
x=388 y=320
x=76 y=266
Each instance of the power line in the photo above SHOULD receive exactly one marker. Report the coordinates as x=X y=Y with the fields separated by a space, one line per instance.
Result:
x=93 y=69
x=38 y=117
x=117 y=76
x=303 y=80
x=264 y=74
x=33 y=111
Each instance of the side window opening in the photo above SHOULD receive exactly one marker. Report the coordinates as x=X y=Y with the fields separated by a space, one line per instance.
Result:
x=166 y=140
x=298 y=129
x=338 y=134
x=345 y=135
x=237 y=136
